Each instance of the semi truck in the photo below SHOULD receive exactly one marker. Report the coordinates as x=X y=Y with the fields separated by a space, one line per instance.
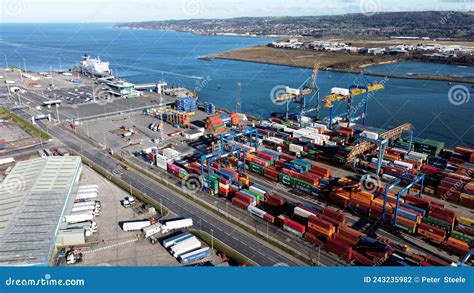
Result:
x=89 y=227
x=195 y=255
x=78 y=217
x=185 y=246
x=135 y=225
x=86 y=203
x=151 y=230
x=176 y=224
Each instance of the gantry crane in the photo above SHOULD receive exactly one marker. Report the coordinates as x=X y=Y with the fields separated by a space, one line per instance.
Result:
x=299 y=96
x=382 y=143
x=354 y=90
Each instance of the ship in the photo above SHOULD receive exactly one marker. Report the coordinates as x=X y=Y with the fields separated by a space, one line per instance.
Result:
x=93 y=66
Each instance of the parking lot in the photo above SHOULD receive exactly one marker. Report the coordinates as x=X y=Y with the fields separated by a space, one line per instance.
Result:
x=111 y=246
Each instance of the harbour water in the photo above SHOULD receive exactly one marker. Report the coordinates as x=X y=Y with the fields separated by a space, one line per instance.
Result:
x=148 y=56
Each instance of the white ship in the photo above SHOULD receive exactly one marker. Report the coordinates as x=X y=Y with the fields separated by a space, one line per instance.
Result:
x=94 y=66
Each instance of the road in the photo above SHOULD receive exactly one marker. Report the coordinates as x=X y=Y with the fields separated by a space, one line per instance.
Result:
x=248 y=245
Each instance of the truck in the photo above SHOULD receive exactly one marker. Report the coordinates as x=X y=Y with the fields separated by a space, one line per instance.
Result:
x=167 y=243
x=176 y=224
x=151 y=230
x=63 y=152
x=84 y=208
x=185 y=246
x=135 y=225
x=7 y=161
x=195 y=255
x=78 y=217
x=89 y=227
x=128 y=201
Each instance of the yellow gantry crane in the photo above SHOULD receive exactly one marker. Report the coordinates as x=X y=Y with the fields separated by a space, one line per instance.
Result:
x=299 y=95
x=366 y=146
x=342 y=94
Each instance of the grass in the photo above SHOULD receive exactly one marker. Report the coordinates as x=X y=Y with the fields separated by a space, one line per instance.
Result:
x=30 y=128
x=301 y=58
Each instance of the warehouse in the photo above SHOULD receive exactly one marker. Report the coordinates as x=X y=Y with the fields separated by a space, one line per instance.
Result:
x=34 y=198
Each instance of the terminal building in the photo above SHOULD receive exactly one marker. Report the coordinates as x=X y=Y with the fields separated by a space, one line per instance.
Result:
x=34 y=198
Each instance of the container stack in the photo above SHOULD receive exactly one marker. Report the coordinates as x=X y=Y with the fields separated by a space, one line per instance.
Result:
x=186 y=104
x=225 y=118
x=209 y=108
x=234 y=119
x=215 y=125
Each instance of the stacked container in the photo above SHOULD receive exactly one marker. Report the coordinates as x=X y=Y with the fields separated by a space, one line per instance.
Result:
x=186 y=104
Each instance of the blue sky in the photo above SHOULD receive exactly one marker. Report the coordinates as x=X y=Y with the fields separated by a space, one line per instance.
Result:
x=138 y=10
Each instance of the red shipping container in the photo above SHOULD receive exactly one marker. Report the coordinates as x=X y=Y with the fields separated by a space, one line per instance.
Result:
x=455 y=248
x=270 y=196
x=289 y=172
x=286 y=157
x=310 y=178
x=432 y=232
x=269 y=218
x=265 y=156
x=239 y=203
x=431 y=260
x=333 y=221
x=259 y=162
x=340 y=249
x=243 y=197
x=294 y=225
x=334 y=214
x=361 y=259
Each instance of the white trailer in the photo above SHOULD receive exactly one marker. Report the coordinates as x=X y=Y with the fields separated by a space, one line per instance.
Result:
x=88 y=189
x=83 y=208
x=86 y=203
x=86 y=195
x=135 y=225
x=7 y=161
x=168 y=242
x=176 y=224
x=151 y=230
x=185 y=246
x=79 y=217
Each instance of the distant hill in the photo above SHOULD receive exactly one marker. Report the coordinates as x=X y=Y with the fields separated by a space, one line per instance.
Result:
x=433 y=24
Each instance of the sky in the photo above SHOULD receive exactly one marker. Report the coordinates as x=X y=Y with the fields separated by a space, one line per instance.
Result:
x=142 y=10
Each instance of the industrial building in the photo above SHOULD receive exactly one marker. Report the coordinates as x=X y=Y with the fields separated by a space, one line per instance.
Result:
x=34 y=198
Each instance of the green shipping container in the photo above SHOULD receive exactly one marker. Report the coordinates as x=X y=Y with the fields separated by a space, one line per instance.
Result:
x=286 y=179
x=437 y=223
x=461 y=236
x=302 y=183
x=256 y=168
x=399 y=225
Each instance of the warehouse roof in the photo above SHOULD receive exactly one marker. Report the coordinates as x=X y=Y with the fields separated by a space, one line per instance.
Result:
x=33 y=198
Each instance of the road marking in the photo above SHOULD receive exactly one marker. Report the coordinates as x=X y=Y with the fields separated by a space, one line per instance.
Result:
x=110 y=246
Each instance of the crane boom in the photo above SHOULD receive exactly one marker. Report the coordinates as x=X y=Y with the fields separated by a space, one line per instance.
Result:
x=366 y=146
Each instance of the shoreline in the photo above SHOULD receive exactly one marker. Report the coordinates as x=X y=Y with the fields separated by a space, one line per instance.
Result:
x=377 y=74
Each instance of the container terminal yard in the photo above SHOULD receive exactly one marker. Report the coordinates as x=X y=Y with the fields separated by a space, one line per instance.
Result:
x=221 y=188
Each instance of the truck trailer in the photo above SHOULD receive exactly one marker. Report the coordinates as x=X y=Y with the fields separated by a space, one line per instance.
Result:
x=135 y=225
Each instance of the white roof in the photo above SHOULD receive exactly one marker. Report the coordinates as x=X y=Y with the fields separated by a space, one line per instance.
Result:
x=33 y=198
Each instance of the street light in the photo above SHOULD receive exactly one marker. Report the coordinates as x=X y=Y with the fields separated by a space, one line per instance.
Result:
x=212 y=239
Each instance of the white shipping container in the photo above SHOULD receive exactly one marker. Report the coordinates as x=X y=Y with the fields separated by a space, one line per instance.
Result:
x=258 y=190
x=278 y=126
x=340 y=91
x=370 y=134
x=295 y=148
x=289 y=130
x=403 y=164
x=170 y=153
x=256 y=211
x=303 y=213
x=293 y=91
